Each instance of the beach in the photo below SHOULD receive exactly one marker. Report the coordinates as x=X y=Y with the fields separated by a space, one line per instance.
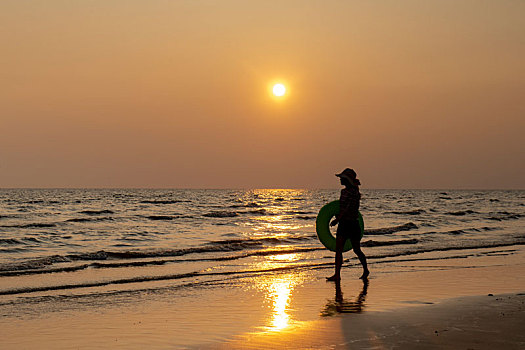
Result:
x=226 y=269
x=419 y=306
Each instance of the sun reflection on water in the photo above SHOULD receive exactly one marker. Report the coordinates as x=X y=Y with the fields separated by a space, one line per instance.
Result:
x=278 y=290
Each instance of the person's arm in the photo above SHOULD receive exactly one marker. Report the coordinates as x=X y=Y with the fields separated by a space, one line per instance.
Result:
x=351 y=205
x=340 y=215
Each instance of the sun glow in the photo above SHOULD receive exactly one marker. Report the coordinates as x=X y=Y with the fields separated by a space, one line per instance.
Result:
x=279 y=90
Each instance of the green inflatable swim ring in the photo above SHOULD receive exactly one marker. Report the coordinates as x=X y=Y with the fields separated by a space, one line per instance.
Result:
x=322 y=226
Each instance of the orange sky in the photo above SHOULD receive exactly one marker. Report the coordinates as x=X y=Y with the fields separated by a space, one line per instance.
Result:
x=411 y=94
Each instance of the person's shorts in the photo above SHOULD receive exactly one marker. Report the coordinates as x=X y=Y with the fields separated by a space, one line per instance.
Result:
x=349 y=230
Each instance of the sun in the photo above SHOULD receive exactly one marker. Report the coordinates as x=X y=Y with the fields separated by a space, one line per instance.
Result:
x=279 y=90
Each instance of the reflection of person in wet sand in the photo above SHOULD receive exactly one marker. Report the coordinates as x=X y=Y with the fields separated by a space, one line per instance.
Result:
x=339 y=305
x=348 y=223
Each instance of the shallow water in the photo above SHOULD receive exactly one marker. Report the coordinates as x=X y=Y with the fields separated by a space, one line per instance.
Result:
x=81 y=241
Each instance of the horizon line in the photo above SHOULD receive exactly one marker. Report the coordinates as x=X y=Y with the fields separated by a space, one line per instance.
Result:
x=260 y=188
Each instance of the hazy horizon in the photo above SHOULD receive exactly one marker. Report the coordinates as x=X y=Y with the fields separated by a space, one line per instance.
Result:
x=159 y=94
x=259 y=188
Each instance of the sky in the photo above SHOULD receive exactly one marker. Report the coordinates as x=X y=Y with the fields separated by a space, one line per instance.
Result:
x=176 y=94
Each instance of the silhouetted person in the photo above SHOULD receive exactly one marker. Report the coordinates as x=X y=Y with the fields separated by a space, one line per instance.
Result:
x=339 y=305
x=348 y=223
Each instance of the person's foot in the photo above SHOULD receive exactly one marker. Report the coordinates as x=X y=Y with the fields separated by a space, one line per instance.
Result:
x=365 y=274
x=333 y=278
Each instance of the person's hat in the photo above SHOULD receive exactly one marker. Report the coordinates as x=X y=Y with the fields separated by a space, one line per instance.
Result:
x=349 y=174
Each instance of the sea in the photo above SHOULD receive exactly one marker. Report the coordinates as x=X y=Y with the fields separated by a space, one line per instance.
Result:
x=91 y=243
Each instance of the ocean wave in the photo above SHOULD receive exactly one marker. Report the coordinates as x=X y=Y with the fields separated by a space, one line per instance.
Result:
x=461 y=212
x=372 y=243
x=32 y=264
x=32 y=225
x=389 y=230
x=409 y=212
x=247 y=205
x=23 y=240
x=230 y=214
x=97 y=212
x=89 y=219
x=304 y=217
x=221 y=214
x=503 y=215
x=121 y=264
x=9 y=241
x=161 y=201
x=256 y=212
x=454 y=232
x=473 y=245
x=160 y=217
x=211 y=247
x=143 y=279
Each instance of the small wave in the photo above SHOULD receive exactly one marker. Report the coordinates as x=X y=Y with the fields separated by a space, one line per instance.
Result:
x=444 y=249
x=247 y=205
x=31 y=239
x=461 y=212
x=503 y=215
x=33 y=263
x=160 y=201
x=38 y=225
x=33 y=225
x=160 y=217
x=389 y=230
x=409 y=212
x=35 y=271
x=211 y=247
x=97 y=212
x=256 y=212
x=36 y=201
x=13 y=241
x=10 y=216
x=455 y=232
x=120 y=264
x=258 y=241
x=372 y=243
x=221 y=214
x=89 y=219
x=304 y=217
x=142 y=279
x=9 y=241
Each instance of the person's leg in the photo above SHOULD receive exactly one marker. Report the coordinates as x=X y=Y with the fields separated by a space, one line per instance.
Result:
x=356 y=246
x=339 y=244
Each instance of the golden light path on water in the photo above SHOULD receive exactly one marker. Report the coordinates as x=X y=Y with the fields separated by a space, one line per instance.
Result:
x=278 y=290
x=277 y=287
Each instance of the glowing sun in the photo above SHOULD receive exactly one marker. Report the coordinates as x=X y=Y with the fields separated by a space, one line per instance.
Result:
x=279 y=90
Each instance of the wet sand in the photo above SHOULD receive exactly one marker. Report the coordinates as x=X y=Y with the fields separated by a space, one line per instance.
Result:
x=481 y=322
x=406 y=304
